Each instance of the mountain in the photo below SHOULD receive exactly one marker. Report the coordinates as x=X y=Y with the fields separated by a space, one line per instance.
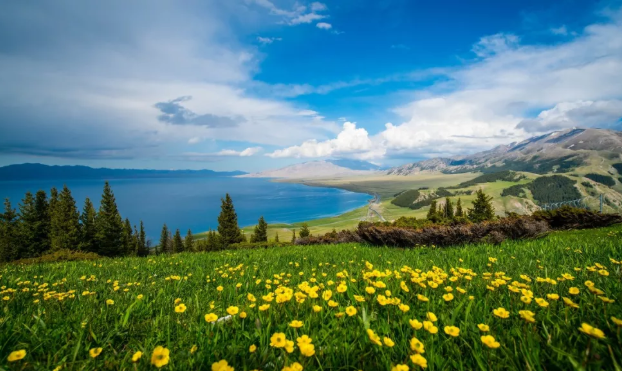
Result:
x=559 y=151
x=319 y=169
x=40 y=171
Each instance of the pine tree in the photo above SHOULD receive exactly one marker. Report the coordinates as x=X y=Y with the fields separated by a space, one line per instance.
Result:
x=110 y=228
x=304 y=231
x=65 y=221
x=276 y=237
x=164 y=247
x=51 y=211
x=449 y=209
x=293 y=235
x=261 y=231
x=143 y=249
x=228 y=228
x=27 y=219
x=129 y=245
x=210 y=241
x=8 y=233
x=189 y=241
x=432 y=213
x=459 y=212
x=42 y=227
x=88 y=227
x=178 y=243
x=482 y=208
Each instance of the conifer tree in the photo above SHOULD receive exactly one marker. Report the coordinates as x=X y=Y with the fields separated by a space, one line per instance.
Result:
x=304 y=231
x=143 y=249
x=42 y=227
x=129 y=245
x=210 y=241
x=228 y=228
x=189 y=241
x=276 y=237
x=51 y=211
x=27 y=219
x=65 y=221
x=178 y=244
x=8 y=233
x=449 y=209
x=293 y=235
x=482 y=208
x=164 y=248
x=432 y=213
x=88 y=227
x=261 y=231
x=110 y=228
x=459 y=212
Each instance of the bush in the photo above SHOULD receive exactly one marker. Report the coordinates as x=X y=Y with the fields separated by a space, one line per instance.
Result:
x=567 y=217
x=63 y=255
x=330 y=238
x=602 y=179
x=256 y=245
x=517 y=190
x=587 y=184
x=618 y=167
x=406 y=198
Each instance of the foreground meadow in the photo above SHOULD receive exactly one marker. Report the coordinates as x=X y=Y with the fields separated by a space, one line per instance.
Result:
x=551 y=304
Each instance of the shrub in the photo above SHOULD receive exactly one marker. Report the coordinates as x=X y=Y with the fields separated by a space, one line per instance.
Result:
x=406 y=198
x=587 y=184
x=517 y=190
x=59 y=256
x=602 y=179
x=618 y=167
x=256 y=245
x=567 y=217
x=330 y=238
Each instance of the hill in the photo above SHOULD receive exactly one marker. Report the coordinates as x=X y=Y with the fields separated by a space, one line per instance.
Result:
x=40 y=171
x=559 y=151
x=319 y=169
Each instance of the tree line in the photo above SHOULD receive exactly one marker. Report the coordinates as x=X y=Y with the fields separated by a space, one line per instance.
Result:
x=43 y=224
x=482 y=210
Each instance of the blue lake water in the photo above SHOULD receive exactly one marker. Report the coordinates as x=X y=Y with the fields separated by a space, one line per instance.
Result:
x=195 y=202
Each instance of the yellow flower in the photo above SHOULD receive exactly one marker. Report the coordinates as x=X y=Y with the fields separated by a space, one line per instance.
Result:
x=388 y=342
x=180 y=308
x=17 y=355
x=278 y=340
x=342 y=288
x=140 y=297
x=573 y=291
x=541 y=302
x=219 y=288
x=429 y=327
x=452 y=331
x=501 y=312
x=252 y=348
x=94 y=352
x=373 y=337
x=110 y=302
x=370 y=290
x=221 y=365
x=617 y=321
x=136 y=357
x=400 y=368
x=233 y=310
x=415 y=324
x=419 y=360
x=332 y=303
x=193 y=349
x=326 y=295
x=525 y=299
x=417 y=346
x=307 y=350
x=178 y=300
x=527 y=315
x=317 y=308
x=296 y=324
x=591 y=331
x=483 y=328
x=431 y=316
x=211 y=317
x=448 y=297
x=350 y=311
x=422 y=298
x=552 y=296
x=603 y=272
x=490 y=341
x=289 y=346
x=293 y=367
x=570 y=303
x=264 y=307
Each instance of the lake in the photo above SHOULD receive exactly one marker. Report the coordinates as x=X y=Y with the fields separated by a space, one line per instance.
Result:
x=195 y=202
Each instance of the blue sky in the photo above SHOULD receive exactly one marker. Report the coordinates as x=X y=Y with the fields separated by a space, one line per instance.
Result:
x=259 y=84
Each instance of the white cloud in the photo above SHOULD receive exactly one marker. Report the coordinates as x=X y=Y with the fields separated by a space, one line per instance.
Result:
x=561 y=30
x=194 y=140
x=306 y=18
x=318 y=7
x=494 y=44
x=268 y=40
x=324 y=26
x=298 y=15
x=251 y=151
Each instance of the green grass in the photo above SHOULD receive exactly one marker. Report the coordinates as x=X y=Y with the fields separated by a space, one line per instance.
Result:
x=58 y=332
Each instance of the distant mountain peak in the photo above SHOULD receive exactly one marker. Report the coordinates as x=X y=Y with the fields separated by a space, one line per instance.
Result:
x=319 y=169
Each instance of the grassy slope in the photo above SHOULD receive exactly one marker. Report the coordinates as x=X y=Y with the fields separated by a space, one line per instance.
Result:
x=57 y=332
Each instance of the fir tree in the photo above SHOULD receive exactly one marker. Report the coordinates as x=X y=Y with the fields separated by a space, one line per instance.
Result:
x=449 y=209
x=51 y=211
x=482 y=208
x=129 y=245
x=210 y=241
x=65 y=221
x=276 y=237
x=228 y=228
x=178 y=244
x=110 y=228
x=432 y=213
x=261 y=231
x=143 y=249
x=189 y=241
x=164 y=247
x=27 y=219
x=459 y=212
x=42 y=227
x=88 y=227
x=304 y=231
x=8 y=232
x=293 y=235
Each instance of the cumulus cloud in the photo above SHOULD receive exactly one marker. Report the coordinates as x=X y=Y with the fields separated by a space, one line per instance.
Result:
x=299 y=14
x=571 y=114
x=268 y=40
x=494 y=44
x=324 y=26
x=174 y=113
x=251 y=151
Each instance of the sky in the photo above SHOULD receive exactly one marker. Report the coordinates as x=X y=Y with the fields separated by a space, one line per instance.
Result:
x=259 y=84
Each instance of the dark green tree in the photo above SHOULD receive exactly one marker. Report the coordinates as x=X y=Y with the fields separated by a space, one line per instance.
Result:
x=459 y=213
x=42 y=227
x=448 y=209
x=129 y=244
x=261 y=231
x=65 y=221
x=212 y=242
x=164 y=246
x=27 y=219
x=142 y=249
x=304 y=231
x=178 y=243
x=9 y=233
x=110 y=229
x=293 y=235
x=189 y=241
x=228 y=228
x=88 y=227
x=276 y=237
x=432 y=213
x=482 y=208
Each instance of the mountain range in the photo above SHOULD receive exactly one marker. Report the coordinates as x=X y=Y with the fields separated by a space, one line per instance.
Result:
x=320 y=169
